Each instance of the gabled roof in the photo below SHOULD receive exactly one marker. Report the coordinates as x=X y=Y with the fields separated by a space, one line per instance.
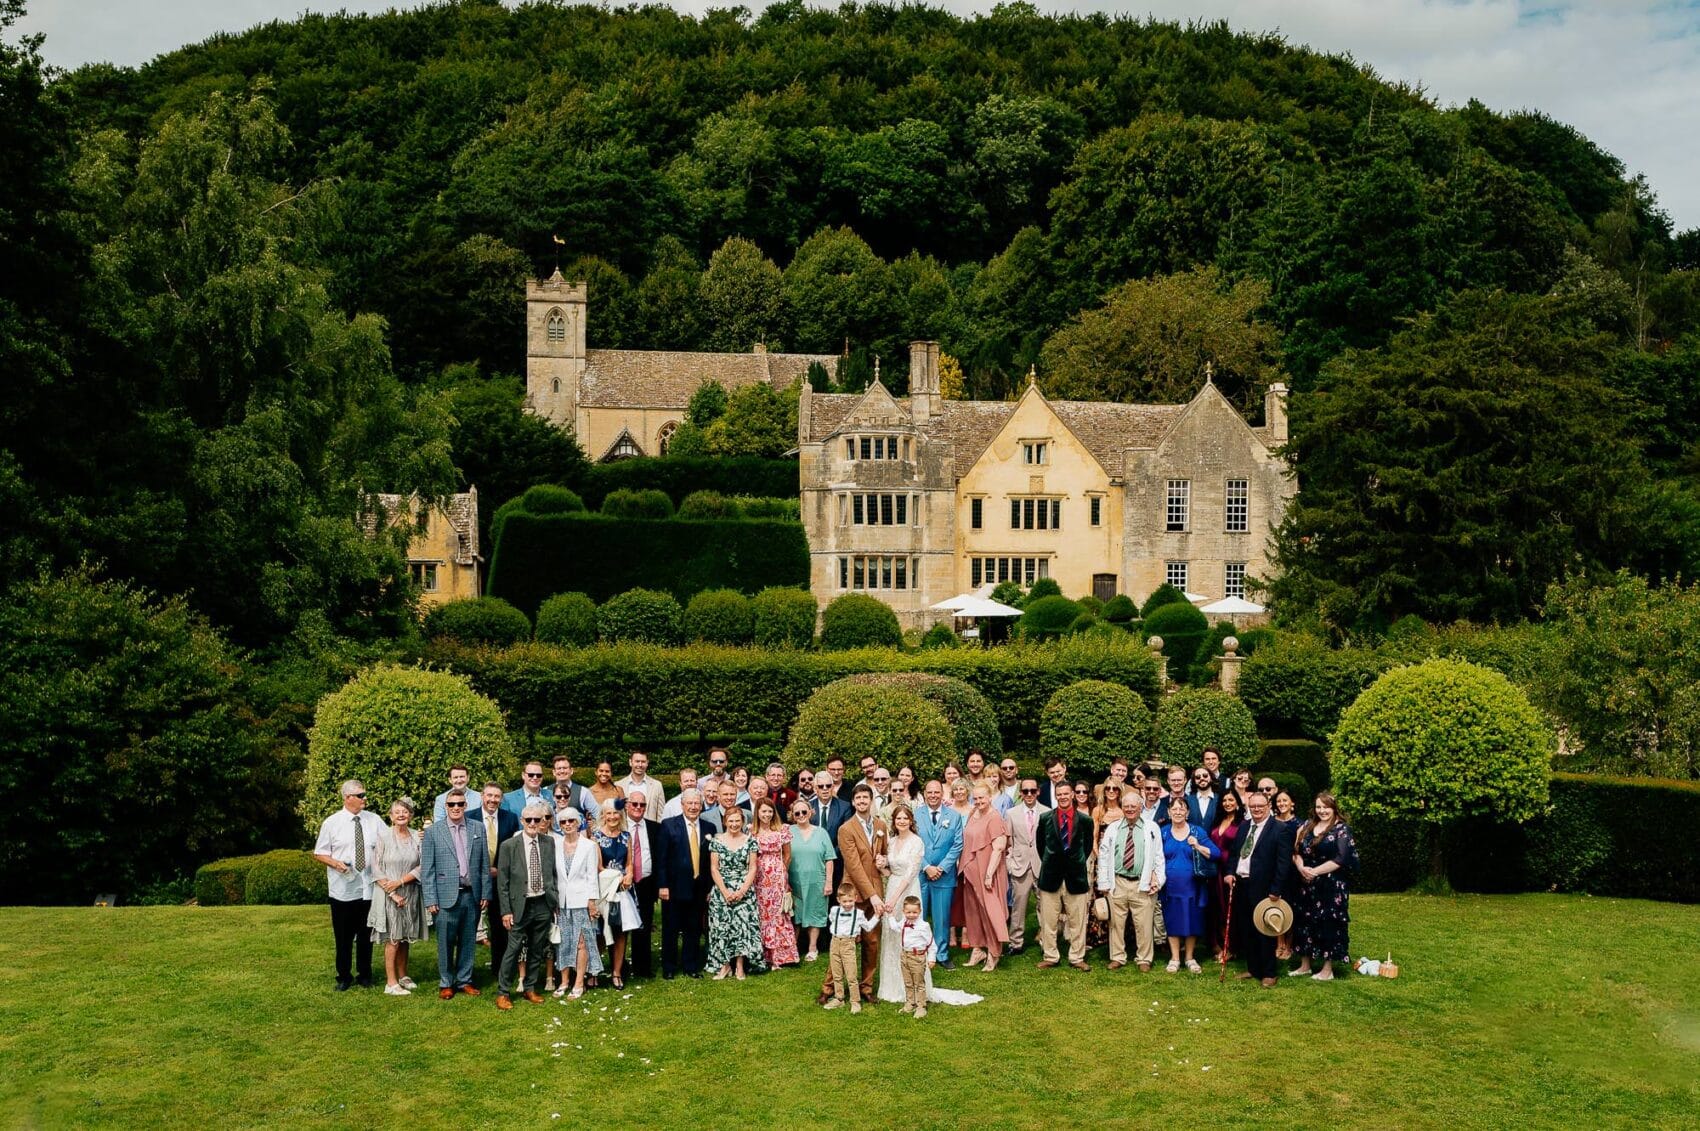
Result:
x=461 y=511
x=667 y=378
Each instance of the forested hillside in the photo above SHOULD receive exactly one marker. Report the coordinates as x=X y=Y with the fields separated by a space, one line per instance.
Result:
x=251 y=282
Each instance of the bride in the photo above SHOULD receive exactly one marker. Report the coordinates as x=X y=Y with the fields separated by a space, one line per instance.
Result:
x=903 y=865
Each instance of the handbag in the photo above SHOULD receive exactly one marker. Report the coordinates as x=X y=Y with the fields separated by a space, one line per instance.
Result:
x=1203 y=867
x=787 y=905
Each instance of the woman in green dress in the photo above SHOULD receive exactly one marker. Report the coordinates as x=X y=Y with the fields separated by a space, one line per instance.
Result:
x=811 y=891
x=734 y=920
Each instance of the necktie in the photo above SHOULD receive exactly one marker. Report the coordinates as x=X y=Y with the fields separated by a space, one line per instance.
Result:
x=637 y=853
x=1130 y=835
x=1066 y=825
x=1250 y=838
x=490 y=837
x=1029 y=824
x=459 y=830
x=359 y=845
x=696 y=860
x=534 y=870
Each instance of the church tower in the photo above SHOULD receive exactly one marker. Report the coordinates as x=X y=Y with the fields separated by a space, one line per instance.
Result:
x=554 y=351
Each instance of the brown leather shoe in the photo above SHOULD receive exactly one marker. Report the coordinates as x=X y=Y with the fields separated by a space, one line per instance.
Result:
x=1268 y=983
x=1243 y=976
x=469 y=991
x=533 y=997
x=445 y=993
x=1081 y=966
x=823 y=998
x=1046 y=964
x=504 y=1002
x=1117 y=965
x=1145 y=967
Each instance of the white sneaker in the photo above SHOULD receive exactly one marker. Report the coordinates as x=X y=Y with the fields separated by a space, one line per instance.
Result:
x=397 y=991
x=409 y=984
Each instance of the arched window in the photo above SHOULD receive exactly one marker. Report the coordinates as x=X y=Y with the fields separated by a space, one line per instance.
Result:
x=555 y=385
x=664 y=438
x=556 y=326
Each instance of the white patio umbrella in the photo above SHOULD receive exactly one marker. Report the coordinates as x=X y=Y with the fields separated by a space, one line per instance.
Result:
x=985 y=607
x=1195 y=598
x=1229 y=606
x=956 y=602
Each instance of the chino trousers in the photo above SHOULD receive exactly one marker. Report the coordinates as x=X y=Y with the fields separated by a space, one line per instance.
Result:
x=841 y=968
x=870 y=958
x=1056 y=904
x=1021 y=890
x=457 y=941
x=914 y=968
x=1127 y=901
x=353 y=938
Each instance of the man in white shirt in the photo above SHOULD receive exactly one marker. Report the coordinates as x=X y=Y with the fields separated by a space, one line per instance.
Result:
x=1130 y=870
x=645 y=837
x=458 y=777
x=344 y=847
x=639 y=779
x=1023 y=860
x=675 y=805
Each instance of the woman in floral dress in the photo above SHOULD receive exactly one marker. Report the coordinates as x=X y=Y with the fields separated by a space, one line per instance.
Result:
x=1324 y=855
x=734 y=923
x=773 y=884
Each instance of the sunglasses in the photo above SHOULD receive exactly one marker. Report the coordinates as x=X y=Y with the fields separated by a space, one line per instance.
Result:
x=534 y=820
x=454 y=805
x=717 y=761
x=361 y=796
x=1034 y=791
x=634 y=805
x=529 y=774
x=1009 y=767
x=882 y=781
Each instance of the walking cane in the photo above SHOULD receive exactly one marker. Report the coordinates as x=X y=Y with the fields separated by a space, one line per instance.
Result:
x=1227 y=933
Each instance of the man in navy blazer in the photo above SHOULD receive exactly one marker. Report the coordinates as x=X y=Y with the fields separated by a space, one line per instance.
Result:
x=1259 y=858
x=682 y=881
x=492 y=814
x=454 y=877
x=828 y=813
x=940 y=828
x=1203 y=799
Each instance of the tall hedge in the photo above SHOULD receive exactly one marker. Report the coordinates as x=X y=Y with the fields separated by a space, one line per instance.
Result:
x=853 y=721
x=1196 y=717
x=601 y=556
x=680 y=477
x=1298 y=685
x=857 y=620
x=630 y=692
x=973 y=722
x=548 y=498
x=648 y=503
x=398 y=730
x=784 y=617
x=1089 y=723
x=1047 y=617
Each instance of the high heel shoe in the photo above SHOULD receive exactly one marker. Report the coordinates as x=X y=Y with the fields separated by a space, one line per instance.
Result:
x=991 y=964
x=618 y=983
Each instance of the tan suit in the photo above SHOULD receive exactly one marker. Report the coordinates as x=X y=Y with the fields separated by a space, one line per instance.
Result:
x=1023 y=867
x=856 y=856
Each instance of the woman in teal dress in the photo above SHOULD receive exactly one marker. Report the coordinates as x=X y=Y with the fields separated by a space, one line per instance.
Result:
x=734 y=920
x=811 y=852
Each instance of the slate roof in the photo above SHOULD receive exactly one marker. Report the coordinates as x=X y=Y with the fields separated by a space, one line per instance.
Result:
x=462 y=512
x=667 y=378
x=1104 y=427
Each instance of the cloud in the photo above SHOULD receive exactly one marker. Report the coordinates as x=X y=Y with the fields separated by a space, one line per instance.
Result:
x=1624 y=72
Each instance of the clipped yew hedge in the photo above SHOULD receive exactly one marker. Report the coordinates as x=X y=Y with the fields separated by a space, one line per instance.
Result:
x=282 y=877
x=634 y=691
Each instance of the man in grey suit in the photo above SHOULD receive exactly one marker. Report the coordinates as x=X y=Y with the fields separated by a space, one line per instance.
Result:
x=1023 y=860
x=456 y=887
x=525 y=887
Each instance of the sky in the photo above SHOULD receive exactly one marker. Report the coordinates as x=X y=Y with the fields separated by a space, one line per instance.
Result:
x=1624 y=72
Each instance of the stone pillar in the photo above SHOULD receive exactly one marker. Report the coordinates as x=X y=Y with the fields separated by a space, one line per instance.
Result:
x=1156 y=646
x=1231 y=665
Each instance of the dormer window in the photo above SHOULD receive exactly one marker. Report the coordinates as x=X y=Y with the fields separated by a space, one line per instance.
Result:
x=1035 y=453
x=871 y=447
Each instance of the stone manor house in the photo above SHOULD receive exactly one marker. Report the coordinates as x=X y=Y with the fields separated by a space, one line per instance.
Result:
x=916 y=499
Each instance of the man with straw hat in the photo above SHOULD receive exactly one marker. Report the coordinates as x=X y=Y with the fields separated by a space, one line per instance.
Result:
x=1258 y=861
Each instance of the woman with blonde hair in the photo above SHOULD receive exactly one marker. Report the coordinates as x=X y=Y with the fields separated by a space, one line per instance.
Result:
x=773 y=884
x=983 y=888
x=734 y=922
x=397 y=919
x=959 y=801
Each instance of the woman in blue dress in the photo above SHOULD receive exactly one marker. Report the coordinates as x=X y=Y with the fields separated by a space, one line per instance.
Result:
x=1185 y=895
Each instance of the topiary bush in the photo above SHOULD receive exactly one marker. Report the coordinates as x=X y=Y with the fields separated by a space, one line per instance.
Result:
x=720 y=616
x=1119 y=609
x=856 y=620
x=1044 y=587
x=641 y=615
x=224 y=883
x=649 y=503
x=970 y=714
x=786 y=510
x=1164 y=594
x=853 y=720
x=1196 y=717
x=1442 y=741
x=568 y=619
x=1183 y=629
x=1091 y=604
x=708 y=504
x=1047 y=618
x=1296 y=756
x=477 y=620
x=547 y=498
x=286 y=877
x=1082 y=623
x=784 y=617
x=1297 y=685
x=940 y=636
x=1088 y=723
x=398 y=730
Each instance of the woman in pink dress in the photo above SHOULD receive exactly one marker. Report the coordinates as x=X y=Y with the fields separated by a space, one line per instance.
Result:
x=983 y=885
x=773 y=884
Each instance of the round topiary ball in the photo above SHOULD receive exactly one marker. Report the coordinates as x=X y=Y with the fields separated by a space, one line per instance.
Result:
x=856 y=620
x=1119 y=609
x=547 y=498
x=720 y=616
x=1047 y=618
x=969 y=713
x=940 y=635
x=627 y=503
x=1044 y=587
x=1183 y=629
x=784 y=618
x=708 y=505
x=477 y=620
x=1164 y=594
x=642 y=615
x=398 y=730
x=1088 y=723
x=286 y=877
x=852 y=720
x=1196 y=717
x=567 y=619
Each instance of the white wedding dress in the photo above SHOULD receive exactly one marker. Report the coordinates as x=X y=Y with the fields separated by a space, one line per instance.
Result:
x=904 y=858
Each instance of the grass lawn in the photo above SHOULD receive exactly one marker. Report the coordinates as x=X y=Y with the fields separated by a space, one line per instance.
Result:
x=1511 y=1011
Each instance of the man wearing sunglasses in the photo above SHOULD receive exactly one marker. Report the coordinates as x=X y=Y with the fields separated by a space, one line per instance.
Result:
x=525 y=889
x=455 y=884
x=530 y=791
x=344 y=847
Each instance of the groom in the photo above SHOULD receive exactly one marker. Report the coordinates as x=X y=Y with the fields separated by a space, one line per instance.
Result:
x=940 y=830
x=861 y=850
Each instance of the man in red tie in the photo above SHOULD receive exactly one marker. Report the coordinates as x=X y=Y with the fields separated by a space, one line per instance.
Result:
x=645 y=830
x=1064 y=840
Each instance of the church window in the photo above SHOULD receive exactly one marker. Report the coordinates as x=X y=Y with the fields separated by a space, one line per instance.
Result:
x=555 y=385
x=664 y=438
x=556 y=327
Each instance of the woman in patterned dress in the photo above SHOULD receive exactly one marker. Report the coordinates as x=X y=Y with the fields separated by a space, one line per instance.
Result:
x=773 y=884
x=734 y=922
x=1324 y=855
x=615 y=844
x=397 y=918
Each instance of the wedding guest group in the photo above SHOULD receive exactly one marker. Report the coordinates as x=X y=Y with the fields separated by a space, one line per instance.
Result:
x=884 y=877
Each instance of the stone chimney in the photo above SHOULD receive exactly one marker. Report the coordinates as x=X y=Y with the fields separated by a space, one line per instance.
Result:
x=924 y=381
x=1275 y=412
